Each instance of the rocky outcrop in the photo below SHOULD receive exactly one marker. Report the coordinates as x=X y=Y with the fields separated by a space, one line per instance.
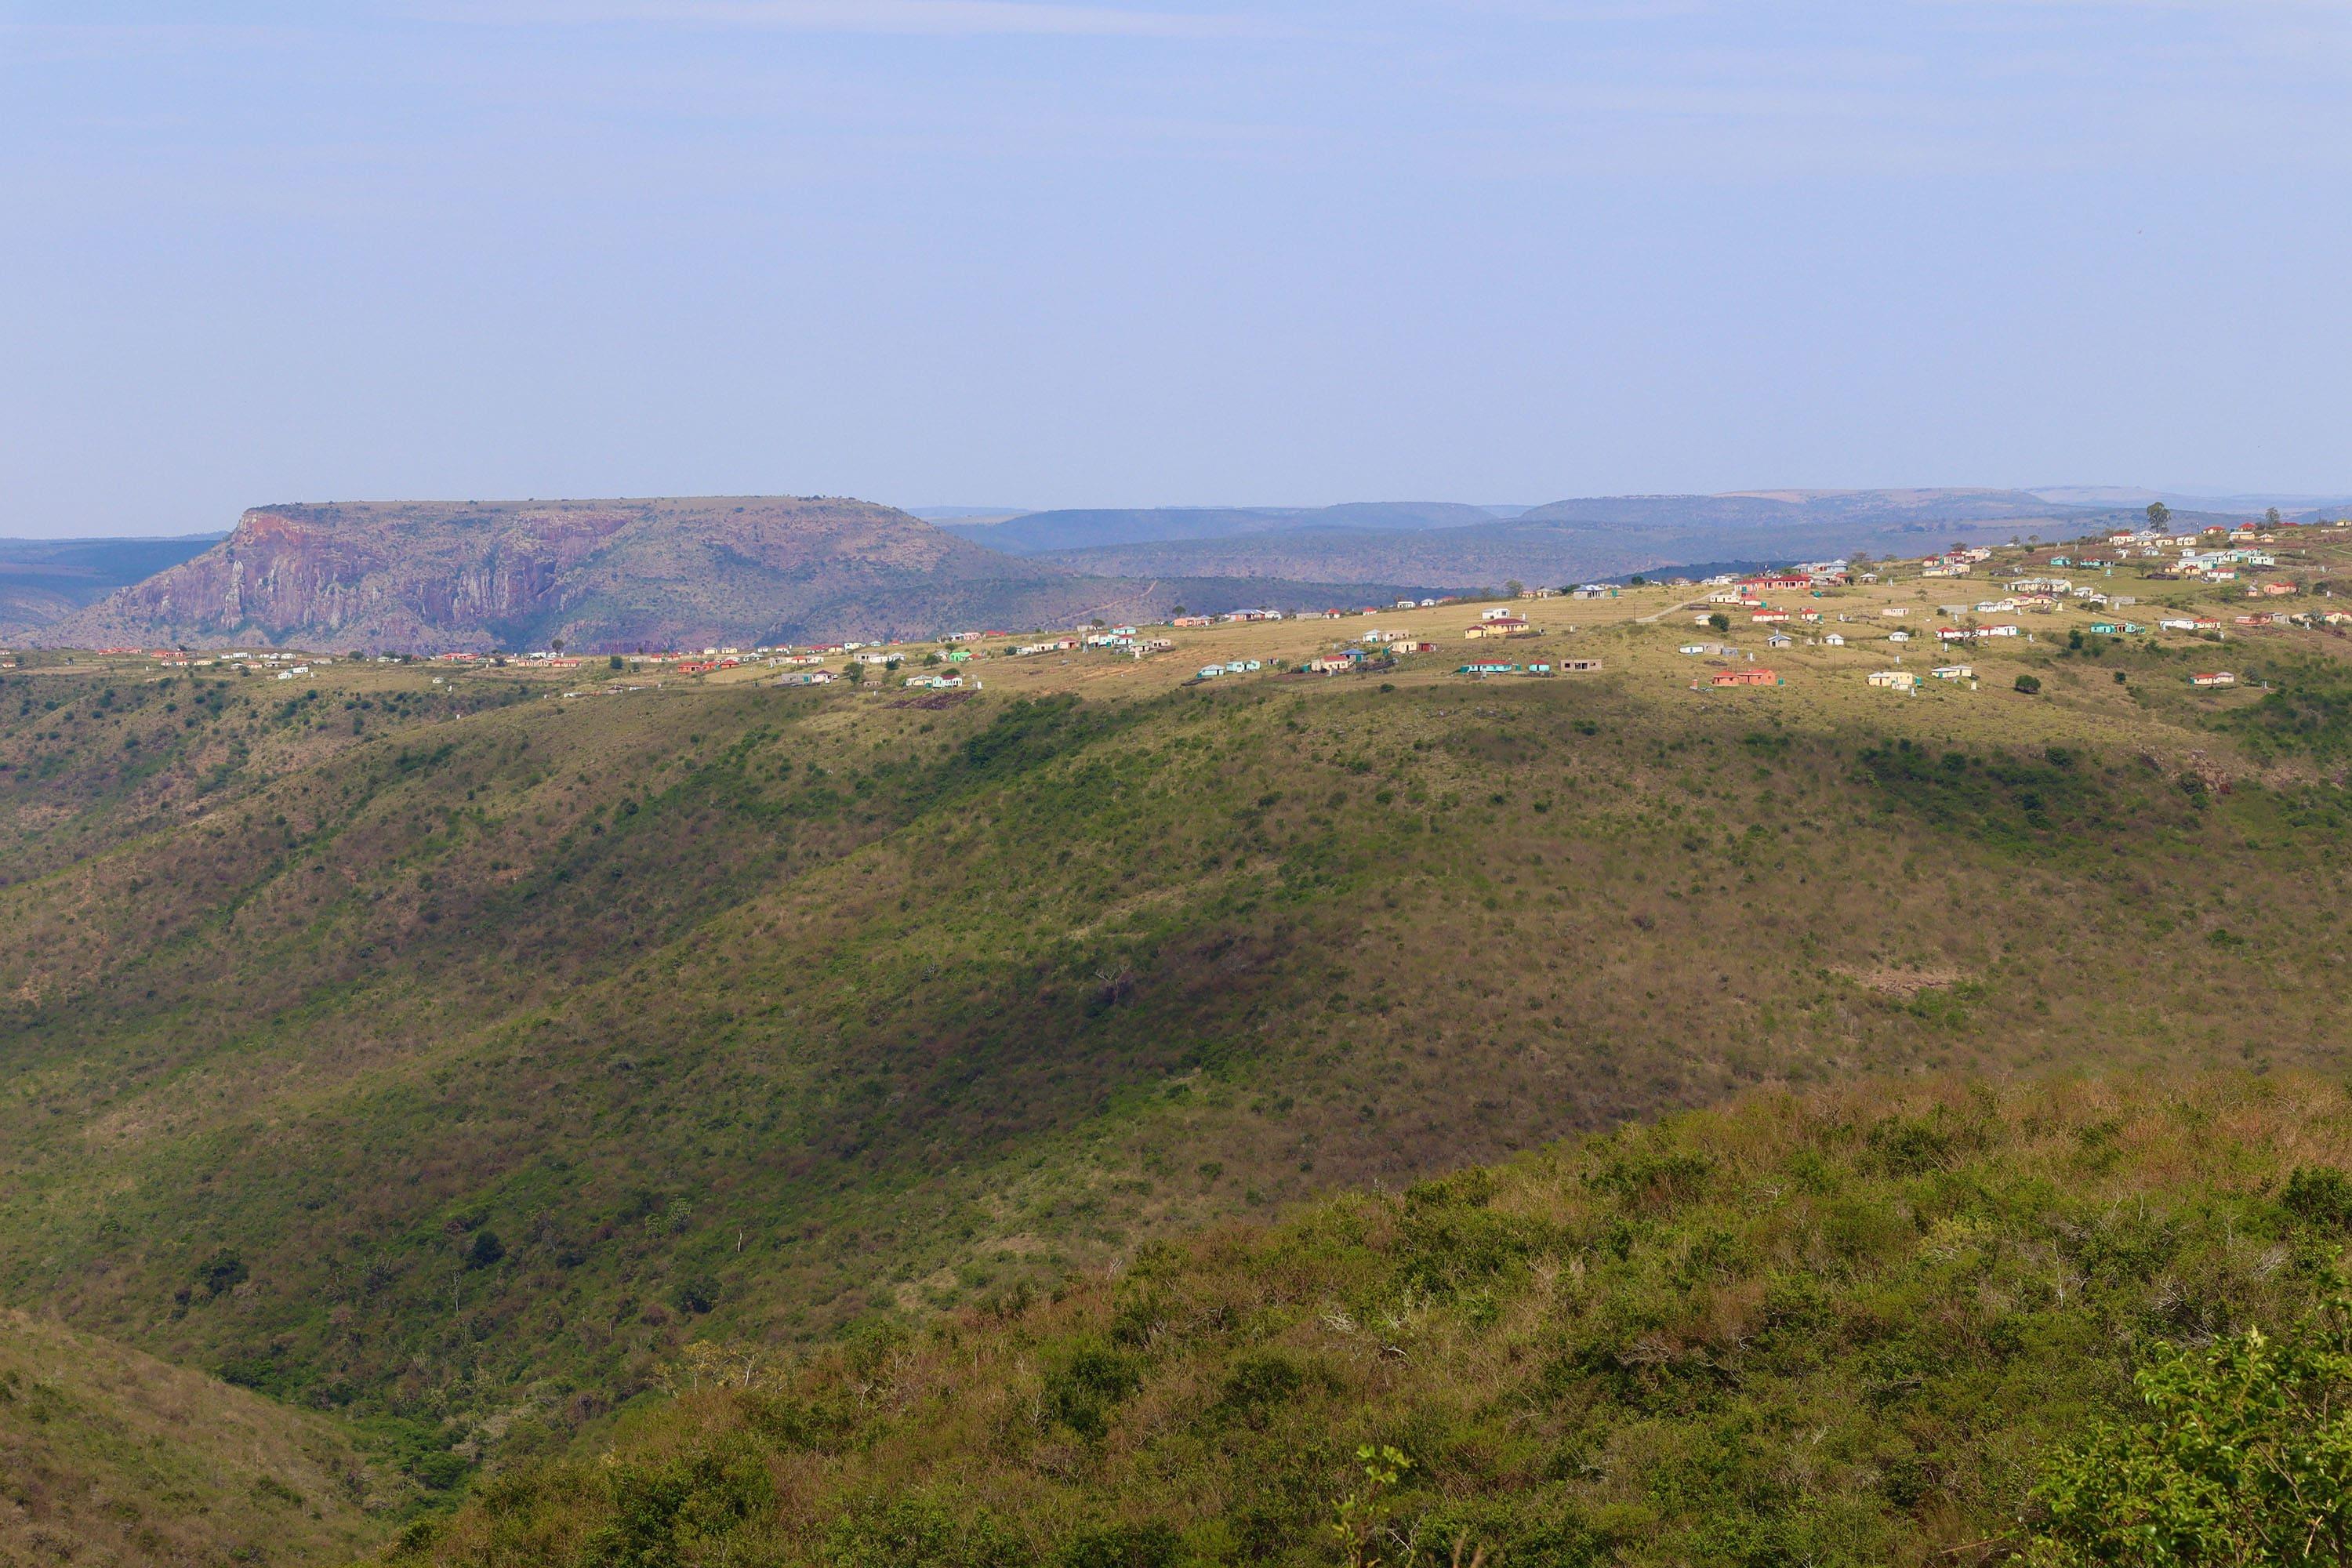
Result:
x=431 y=578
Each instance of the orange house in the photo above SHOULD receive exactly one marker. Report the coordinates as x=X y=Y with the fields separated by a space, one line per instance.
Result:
x=1744 y=677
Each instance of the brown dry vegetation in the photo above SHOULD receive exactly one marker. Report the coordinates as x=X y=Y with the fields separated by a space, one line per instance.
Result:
x=110 y=1457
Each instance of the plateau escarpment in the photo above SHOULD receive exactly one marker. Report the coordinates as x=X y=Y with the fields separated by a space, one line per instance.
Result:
x=436 y=577
x=618 y=575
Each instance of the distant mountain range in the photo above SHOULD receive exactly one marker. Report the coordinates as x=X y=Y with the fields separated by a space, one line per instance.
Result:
x=45 y=580
x=2300 y=508
x=1038 y=532
x=1602 y=536
x=667 y=573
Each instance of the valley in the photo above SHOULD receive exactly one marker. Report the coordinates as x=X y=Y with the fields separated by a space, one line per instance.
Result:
x=474 y=1058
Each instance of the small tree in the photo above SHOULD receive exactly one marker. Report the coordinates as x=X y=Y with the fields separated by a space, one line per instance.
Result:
x=1362 y=1515
x=856 y=672
x=557 y=645
x=2160 y=517
x=2028 y=684
x=2243 y=1456
x=613 y=662
x=1719 y=621
x=2271 y=517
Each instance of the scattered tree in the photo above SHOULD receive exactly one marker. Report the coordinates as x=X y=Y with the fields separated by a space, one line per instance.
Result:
x=1719 y=621
x=222 y=1272
x=2028 y=684
x=2160 y=517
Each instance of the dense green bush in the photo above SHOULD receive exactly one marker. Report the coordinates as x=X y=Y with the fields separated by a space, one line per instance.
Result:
x=2242 y=1454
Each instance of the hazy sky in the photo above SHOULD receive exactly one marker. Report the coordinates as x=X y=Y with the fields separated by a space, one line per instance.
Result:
x=1036 y=252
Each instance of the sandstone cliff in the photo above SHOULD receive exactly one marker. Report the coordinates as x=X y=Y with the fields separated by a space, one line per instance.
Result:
x=618 y=575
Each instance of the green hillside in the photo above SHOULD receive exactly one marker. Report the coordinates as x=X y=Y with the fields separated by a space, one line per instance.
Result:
x=109 y=1456
x=1855 y=1327
x=438 y=1054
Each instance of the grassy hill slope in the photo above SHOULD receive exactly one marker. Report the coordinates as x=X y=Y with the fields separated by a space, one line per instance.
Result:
x=499 y=1056
x=429 y=1048
x=1842 y=1328
x=110 y=1457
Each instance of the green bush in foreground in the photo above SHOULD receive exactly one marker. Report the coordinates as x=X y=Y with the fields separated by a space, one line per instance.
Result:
x=2244 y=1456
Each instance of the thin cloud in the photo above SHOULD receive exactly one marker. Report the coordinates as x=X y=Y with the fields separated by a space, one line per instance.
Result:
x=946 y=18
x=22 y=43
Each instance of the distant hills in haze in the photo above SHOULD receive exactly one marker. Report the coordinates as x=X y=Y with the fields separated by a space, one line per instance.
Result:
x=433 y=577
x=1453 y=547
x=45 y=580
x=1087 y=528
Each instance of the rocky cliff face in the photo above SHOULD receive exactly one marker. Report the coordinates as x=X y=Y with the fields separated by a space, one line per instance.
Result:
x=432 y=578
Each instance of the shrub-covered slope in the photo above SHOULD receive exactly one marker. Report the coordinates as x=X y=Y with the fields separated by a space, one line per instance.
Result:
x=1854 y=1327
x=461 y=1068
x=109 y=1456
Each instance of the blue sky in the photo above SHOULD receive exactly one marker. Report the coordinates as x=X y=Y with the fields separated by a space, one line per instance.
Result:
x=1035 y=253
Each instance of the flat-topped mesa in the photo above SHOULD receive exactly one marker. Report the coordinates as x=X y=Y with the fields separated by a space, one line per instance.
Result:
x=431 y=577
